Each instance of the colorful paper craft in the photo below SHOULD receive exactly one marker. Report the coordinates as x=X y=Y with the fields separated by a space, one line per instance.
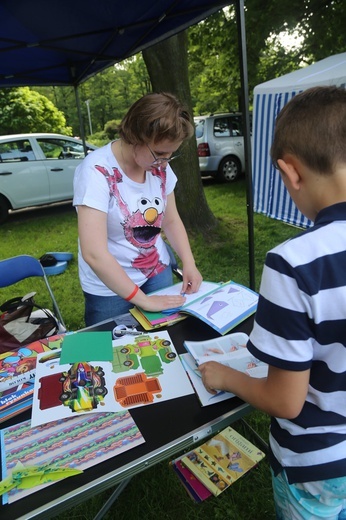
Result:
x=144 y=370
x=76 y=443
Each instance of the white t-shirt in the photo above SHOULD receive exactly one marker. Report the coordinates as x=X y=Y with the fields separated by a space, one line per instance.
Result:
x=135 y=212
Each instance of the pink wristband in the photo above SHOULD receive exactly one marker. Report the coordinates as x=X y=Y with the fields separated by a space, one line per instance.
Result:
x=133 y=294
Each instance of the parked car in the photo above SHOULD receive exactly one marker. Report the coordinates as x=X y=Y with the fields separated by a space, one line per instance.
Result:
x=220 y=145
x=37 y=169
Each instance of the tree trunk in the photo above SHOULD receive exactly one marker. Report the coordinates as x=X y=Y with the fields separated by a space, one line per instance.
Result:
x=167 y=68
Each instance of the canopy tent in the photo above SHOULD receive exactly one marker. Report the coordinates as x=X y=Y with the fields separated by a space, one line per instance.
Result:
x=67 y=42
x=270 y=195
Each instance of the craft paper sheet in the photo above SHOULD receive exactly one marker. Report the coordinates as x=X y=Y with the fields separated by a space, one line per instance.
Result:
x=78 y=442
x=144 y=370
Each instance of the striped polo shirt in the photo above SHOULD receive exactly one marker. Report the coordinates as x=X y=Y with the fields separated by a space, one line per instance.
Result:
x=300 y=324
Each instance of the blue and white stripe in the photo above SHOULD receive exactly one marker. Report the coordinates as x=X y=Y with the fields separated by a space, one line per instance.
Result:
x=301 y=324
x=270 y=196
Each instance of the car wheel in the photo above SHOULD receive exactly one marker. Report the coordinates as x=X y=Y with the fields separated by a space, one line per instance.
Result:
x=65 y=396
x=4 y=207
x=229 y=169
x=100 y=391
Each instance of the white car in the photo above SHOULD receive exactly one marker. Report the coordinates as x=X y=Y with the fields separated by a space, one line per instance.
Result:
x=37 y=169
x=220 y=145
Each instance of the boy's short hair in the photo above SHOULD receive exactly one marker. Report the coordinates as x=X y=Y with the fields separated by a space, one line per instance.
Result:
x=156 y=117
x=312 y=126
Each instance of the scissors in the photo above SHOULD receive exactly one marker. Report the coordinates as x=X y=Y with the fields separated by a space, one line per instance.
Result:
x=122 y=330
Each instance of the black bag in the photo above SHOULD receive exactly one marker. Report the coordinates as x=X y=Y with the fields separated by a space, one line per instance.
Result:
x=20 y=324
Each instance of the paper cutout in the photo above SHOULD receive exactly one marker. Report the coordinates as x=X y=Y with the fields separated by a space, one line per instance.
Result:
x=144 y=370
x=87 y=346
x=76 y=443
x=26 y=477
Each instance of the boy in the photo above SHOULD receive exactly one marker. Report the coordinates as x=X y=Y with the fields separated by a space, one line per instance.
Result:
x=300 y=323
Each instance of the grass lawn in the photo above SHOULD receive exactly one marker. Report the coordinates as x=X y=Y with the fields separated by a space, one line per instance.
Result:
x=222 y=255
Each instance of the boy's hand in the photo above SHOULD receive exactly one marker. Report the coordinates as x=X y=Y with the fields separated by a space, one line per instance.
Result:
x=214 y=376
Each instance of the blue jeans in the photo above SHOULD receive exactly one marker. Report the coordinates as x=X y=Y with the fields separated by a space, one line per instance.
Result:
x=100 y=308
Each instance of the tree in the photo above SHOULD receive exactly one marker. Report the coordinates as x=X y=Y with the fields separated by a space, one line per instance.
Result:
x=167 y=67
x=24 y=111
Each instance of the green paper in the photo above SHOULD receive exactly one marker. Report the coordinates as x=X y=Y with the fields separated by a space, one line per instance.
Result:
x=25 y=477
x=87 y=346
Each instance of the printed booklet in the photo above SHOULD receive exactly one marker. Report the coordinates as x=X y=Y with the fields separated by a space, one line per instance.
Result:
x=222 y=460
x=17 y=375
x=230 y=350
x=222 y=306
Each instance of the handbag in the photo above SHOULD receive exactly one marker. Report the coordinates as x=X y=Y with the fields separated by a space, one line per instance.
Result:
x=21 y=324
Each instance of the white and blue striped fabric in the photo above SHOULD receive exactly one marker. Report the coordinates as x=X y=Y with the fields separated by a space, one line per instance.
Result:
x=270 y=196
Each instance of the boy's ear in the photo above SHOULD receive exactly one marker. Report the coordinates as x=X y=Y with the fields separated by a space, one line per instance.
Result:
x=289 y=168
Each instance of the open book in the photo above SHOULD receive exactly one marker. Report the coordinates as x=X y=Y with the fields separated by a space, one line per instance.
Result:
x=222 y=306
x=229 y=350
x=222 y=460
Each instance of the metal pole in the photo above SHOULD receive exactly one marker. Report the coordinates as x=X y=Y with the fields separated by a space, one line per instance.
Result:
x=81 y=125
x=240 y=13
x=89 y=116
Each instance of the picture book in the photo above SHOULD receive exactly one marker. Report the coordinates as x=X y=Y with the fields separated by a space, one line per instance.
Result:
x=78 y=442
x=222 y=460
x=17 y=375
x=195 y=489
x=144 y=370
x=230 y=350
x=222 y=306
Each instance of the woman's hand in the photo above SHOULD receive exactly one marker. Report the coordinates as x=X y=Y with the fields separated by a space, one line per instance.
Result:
x=192 y=279
x=159 y=303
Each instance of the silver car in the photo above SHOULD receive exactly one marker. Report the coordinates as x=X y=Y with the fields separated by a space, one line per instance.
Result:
x=220 y=145
x=37 y=169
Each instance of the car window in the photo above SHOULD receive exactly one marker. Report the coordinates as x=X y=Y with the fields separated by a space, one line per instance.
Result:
x=236 y=126
x=54 y=148
x=199 y=128
x=230 y=126
x=16 y=151
x=222 y=127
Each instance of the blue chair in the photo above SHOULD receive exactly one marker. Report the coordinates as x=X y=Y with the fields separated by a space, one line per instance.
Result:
x=17 y=268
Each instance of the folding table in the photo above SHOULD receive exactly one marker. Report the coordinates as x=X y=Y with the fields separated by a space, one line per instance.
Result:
x=168 y=428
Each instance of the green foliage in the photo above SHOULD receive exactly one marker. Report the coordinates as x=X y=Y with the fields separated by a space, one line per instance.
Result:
x=24 y=111
x=213 y=60
x=111 y=129
x=98 y=139
x=111 y=92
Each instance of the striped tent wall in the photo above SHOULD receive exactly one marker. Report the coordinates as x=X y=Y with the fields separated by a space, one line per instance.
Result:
x=270 y=196
x=269 y=192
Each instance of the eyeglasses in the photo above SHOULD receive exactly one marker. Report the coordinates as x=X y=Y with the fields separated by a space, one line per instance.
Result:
x=160 y=160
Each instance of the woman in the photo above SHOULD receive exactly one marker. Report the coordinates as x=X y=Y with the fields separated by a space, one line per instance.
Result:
x=124 y=195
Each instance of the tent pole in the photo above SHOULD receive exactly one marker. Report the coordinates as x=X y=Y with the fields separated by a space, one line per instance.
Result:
x=240 y=14
x=81 y=126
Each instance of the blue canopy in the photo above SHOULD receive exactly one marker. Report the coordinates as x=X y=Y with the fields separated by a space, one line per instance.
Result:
x=68 y=41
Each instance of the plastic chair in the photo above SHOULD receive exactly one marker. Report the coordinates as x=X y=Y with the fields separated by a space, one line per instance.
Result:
x=17 y=268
